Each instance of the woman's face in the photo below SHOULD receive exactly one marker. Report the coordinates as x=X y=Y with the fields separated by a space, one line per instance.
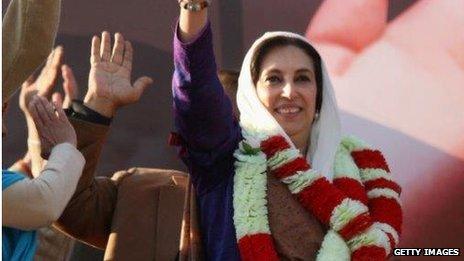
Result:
x=287 y=88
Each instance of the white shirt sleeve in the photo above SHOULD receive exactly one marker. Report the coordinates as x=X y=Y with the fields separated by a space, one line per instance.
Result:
x=33 y=203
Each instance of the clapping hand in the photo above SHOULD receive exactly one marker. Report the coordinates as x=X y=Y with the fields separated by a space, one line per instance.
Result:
x=45 y=82
x=43 y=87
x=51 y=122
x=110 y=75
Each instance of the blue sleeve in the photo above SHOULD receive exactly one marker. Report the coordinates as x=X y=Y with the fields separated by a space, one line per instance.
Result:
x=10 y=177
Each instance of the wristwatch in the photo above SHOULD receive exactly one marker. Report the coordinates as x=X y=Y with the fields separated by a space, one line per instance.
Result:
x=194 y=6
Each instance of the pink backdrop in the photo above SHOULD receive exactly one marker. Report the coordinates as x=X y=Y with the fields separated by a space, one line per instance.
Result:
x=400 y=85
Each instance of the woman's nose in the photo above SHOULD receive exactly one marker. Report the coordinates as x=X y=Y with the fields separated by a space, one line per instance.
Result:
x=289 y=91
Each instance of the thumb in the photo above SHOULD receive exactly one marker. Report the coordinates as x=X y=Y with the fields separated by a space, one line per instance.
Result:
x=29 y=81
x=141 y=84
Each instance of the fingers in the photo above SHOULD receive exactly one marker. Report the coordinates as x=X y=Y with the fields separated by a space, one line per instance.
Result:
x=45 y=110
x=70 y=87
x=128 y=52
x=42 y=112
x=57 y=56
x=352 y=23
x=47 y=77
x=105 y=49
x=58 y=103
x=50 y=58
x=118 y=49
x=54 y=57
x=95 y=50
x=33 y=110
x=141 y=84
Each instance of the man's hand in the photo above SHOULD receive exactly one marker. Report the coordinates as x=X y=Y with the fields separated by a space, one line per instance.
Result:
x=52 y=124
x=110 y=76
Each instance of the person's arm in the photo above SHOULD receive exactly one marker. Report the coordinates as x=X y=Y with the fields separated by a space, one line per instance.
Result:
x=33 y=203
x=29 y=204
x=29 y=30
x=191 y=23
x=43 y=86
x=202 y=110
x=89 y=214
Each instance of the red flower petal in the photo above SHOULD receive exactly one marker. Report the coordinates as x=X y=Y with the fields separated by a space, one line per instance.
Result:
x=290 y=168
x=274 y=144
x=369 y=253
x=356 y=226
x=352 y=188
x=382 y=183
x=320 y=198
x=257 y=247
x=370 y=159
x=386 y=210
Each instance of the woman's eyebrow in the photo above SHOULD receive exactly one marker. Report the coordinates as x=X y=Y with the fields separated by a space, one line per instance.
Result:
x=304 y=70
x=272 y=70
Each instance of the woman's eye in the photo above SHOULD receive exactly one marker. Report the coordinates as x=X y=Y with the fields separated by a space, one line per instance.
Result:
x=273 y=79
x=303 y=78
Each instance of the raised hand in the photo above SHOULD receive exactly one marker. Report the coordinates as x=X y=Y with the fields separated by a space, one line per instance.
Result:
x=110 y=75
x=52 y=124
x=44 y=83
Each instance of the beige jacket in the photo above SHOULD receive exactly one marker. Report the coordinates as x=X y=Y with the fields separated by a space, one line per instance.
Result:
x=135 y=215
x=29 y=31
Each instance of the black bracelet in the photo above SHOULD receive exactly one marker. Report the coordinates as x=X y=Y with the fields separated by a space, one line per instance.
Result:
x=79 y=111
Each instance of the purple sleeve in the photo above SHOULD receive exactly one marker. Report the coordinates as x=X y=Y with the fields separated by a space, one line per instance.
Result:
x=202 y=110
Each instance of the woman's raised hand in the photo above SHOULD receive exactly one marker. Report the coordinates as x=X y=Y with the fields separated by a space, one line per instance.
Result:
x=110 y=75
x=191 y=22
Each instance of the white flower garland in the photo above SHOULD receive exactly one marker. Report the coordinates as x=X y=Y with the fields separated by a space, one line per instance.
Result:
x=250 y=197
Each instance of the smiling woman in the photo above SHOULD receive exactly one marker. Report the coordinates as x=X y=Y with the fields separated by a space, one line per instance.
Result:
x=268 y=187
x=285 y=79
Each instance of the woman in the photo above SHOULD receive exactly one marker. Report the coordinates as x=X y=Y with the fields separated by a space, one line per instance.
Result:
x=288 y=132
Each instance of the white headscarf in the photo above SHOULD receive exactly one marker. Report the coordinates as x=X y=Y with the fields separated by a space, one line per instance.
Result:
x=257 y=123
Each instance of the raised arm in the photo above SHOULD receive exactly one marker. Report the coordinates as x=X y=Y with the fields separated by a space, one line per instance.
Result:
x=191 y=23
x=203 y=112
x=42 y=86
x=89 y=213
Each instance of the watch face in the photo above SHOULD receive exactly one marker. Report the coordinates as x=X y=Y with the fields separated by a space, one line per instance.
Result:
x=194 y=7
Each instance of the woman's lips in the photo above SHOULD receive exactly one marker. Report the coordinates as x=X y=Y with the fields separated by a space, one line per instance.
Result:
x=288 y=112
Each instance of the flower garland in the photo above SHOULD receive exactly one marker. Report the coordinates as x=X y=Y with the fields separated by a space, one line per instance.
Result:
x=362 y=179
